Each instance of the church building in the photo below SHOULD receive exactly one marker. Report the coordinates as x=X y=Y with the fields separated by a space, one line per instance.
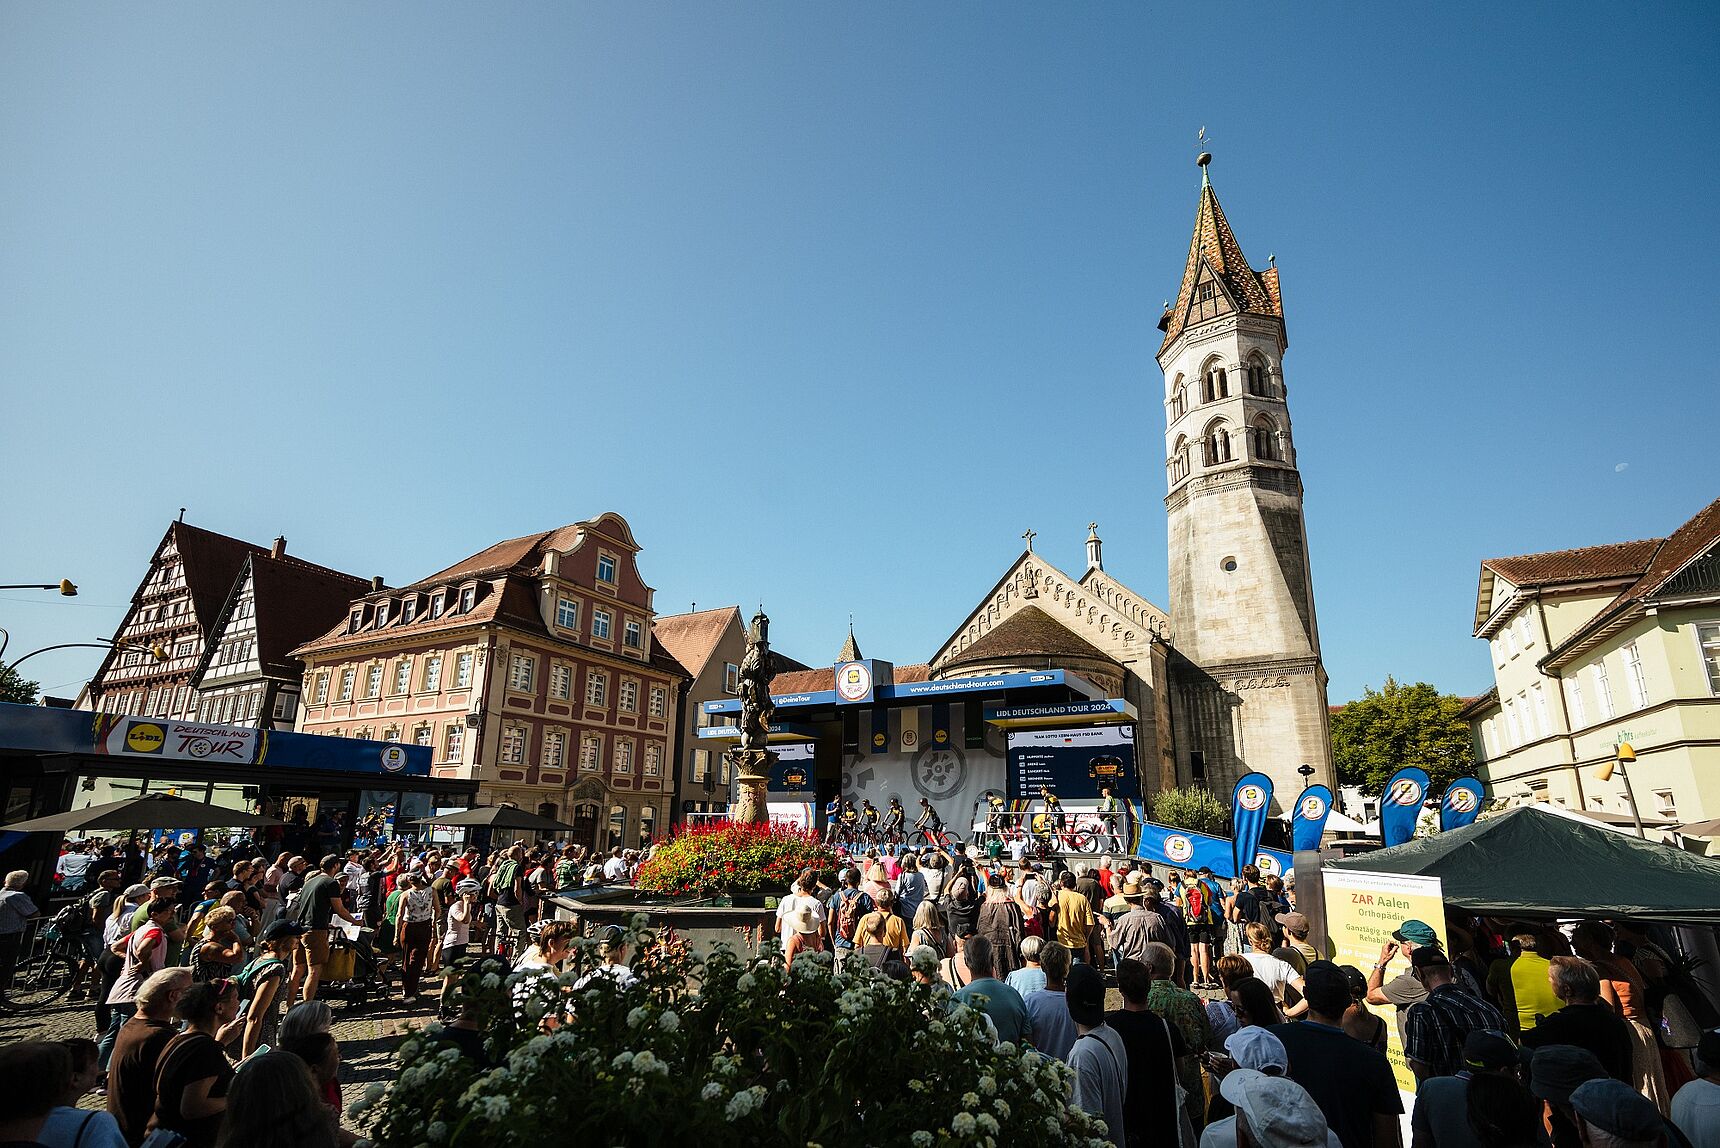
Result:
x=1059 y=676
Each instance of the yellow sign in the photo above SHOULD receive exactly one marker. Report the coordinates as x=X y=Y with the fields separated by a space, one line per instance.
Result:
x=1363 y=910
x=145 y=737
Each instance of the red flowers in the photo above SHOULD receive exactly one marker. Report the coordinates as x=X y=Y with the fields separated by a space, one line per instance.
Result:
x=718 y=858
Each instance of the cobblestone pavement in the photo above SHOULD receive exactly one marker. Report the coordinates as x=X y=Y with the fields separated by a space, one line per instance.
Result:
x=368 y=1036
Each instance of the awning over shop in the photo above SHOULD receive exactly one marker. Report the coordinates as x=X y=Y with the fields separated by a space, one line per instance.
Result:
x=1531 y=863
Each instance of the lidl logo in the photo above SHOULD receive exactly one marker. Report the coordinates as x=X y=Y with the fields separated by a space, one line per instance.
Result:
x=144 y=737
x=878 y=739
x=1251 y=797
x=1407 y=791
x=1178 y=848
x=940 y=736
x=1313 y=807
x=1267 y=864
x=1461 y=800
x=394 y=758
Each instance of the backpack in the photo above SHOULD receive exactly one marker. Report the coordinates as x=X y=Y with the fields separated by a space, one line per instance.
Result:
x=71 y=921
x=249 y=977
x=852 y=904
x=1194 y=896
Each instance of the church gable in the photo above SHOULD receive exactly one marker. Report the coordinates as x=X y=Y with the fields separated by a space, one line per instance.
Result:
x=1095 y=609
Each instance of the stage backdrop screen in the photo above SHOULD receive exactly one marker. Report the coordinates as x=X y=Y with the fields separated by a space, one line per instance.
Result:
x=1073 y=762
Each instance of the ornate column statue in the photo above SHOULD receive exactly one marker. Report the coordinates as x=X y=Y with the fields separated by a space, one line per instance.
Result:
x=752 y=759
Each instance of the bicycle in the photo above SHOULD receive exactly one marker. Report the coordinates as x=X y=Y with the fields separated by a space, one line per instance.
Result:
x=940 y=838
x=47 y=973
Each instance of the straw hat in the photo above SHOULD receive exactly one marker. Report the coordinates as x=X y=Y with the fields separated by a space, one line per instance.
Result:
x=803 y=920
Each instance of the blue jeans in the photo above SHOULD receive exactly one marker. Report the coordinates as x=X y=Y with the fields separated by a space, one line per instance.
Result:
x=118 y=1015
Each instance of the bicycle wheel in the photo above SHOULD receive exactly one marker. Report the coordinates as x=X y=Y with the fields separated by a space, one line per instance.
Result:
x=40 y=980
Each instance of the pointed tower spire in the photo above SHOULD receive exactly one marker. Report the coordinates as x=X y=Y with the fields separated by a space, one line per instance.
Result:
x=1217 y=279
x=850 y=649
x=1095 y=558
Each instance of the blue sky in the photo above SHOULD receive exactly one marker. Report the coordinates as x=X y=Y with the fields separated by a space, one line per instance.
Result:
x=833 y=301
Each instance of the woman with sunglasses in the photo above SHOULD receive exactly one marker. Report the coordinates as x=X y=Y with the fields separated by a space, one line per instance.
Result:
x=193 y=1073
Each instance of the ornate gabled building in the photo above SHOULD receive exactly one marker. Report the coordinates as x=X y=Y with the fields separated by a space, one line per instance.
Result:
x=530 y=667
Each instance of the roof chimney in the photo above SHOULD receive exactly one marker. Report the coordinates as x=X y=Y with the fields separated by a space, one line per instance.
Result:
x=279 y=549
x=1095 y=560
x=376 y=583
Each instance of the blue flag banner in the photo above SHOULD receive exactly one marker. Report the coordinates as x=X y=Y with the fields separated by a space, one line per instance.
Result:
x=1186 y=849
x=879 y=742
x=1401 y=805
x=1461 y=804
x=1250 y=805
x=1310 y=820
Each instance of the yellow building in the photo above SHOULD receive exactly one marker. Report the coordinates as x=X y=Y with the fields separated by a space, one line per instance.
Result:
x=1598 y=646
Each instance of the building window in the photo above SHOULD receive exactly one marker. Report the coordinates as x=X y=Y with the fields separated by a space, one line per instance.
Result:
x=357 y=620
x=1264 y=441
x=633 y=637
x=522 y=672
x=381 y=614
x=180 y=696
x=653 y=760
x=403 y=676
x=596 y=688
x=1498 y=651
x=1708 y=640
x=320 y=695
x=1215 y=386
x=1633 y=676
x=1663 y=798
x=373 y=682
x=1574 y=691
x=1525 y=632
x=1489 y=738
x=463 y=671
x=1542 y=718
x=392 y=733
x=567 y=613
x=723 y=770
x=185 y=650
x=433 y=673
x=659 y=702
x=600 y=623
x=731 y=678
x=407 y=609
x=605 y=568
x=421 y=735
x=436 y=602
x=1180 y=459
x=590 y=753
x=627 y=697
x=347 y=677
x=647 y=826
x=1179 y=400
x=554 y=749
x=1255 y=378
x=560 y=680
x=1511 y=724
x=468 y=597
x=624 y=756
x=617 y=826
x=453 y=741
x=1603 y=691
x=701 y=764
x=513 y=745
x=1215 y=448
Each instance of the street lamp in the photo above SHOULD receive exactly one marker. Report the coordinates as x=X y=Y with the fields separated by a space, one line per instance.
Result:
x=1623 y=754
x=1307 y=772
x=158 y=652
x=64 y=586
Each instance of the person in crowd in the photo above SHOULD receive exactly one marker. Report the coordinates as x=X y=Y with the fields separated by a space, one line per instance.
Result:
x=1696 y=1107
x=321 y=1054
x=1047 y=1008
x=415 y=928
x=273 y=1103
x=1221 y=1014
x=1436 y=1028
x=220 y=951
x=1402 y=990
x=16 y=909
x=880 y=935
x=1030 y=976
x=1275 y=973
x=1274 y=1112
x=1098 y=1055
x=805 y=931
x=69 y=1126
x=804 y=895
x=845 y=908
x=1151 y=1115
x=192 y=1075
x=911 y=887
x=929 y=929
x=1624 y=988
x=1352 y=1083
x=263 y=982
x=305 y=1019
x=1555 y=1071
x=1254 y=1003
x=145 y=950
x=1252 y=1048
x=613 y=951
x=1296 y=926
x=1359 y=1020
x=35 y=1072
x=963 y=898
x=321 y=900
x=1584 y=1021
x=1000 y=922
x=984 y=992
x=98 y=906
x=1072 y=917
x=109 y=964
x=1203 y=909
x=457 y=931
x=1187 y=1015
x=136 y=1051
x=1520 y=985
x=1440 y=1118
x=615 y=869
x=1612 y=1114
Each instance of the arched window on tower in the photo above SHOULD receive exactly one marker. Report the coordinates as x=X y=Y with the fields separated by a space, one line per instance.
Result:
x=1215 y=448
x=1258 y=380
x=1179 y=399
x=1179 y=459
x=1263 y=440
x=1215 y=383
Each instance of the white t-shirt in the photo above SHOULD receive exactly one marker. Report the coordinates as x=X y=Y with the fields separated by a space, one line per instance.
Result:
x=459 y=930
x=1696 y=1111
x=1274 y=972
x=793 y=904
x=615 y=869
x=620 y=974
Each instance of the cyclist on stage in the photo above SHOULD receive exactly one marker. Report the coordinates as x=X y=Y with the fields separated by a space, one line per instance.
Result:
x=1111 y=809
x=930 y=821
x=869 y=821
x=994 y=817
x=894 y=817
x=850 y=820
x=1054 y=820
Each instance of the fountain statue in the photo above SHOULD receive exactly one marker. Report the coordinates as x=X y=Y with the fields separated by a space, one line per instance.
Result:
x=751 y=760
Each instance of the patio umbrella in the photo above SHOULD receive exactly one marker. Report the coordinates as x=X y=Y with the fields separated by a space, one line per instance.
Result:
x=1709 y=828
x=151 y=811
x=496 y=817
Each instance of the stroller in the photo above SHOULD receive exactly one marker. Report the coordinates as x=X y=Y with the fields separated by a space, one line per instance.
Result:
x=354 y=974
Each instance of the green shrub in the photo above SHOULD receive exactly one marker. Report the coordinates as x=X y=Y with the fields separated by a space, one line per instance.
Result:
x=1194 y=808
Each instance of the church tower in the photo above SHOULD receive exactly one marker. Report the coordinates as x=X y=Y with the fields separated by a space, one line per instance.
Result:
x=1250 y=690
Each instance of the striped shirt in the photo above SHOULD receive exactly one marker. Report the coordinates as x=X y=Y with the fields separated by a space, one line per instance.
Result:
x=1435 y=1029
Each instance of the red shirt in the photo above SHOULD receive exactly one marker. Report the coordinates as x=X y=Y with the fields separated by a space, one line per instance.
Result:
x=1104 y=878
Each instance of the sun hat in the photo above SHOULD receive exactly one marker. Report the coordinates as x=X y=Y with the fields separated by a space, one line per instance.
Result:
x=1614 y=1106
x=1278 y=1111
x=804 y=920
x=1294 y=922
x=1132 y=890
x=1255 y=1048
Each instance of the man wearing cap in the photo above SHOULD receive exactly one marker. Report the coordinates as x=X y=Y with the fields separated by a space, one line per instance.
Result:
x=1696 y=1108
x=1296 y=927
x=1402 y=990
x=1556 y=1071
x=1436 y=1028
x=1441 y=1117
x=1272 y=1112
x=1626 y=1117
x=1351 y=1082
x=1098 y=1056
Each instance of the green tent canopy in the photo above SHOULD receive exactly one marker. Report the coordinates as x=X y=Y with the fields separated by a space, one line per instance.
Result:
x=1531 y=863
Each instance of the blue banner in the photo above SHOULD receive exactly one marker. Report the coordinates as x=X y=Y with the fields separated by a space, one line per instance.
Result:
x=1461 y=804
x=1250 y=805
x=1186 y=849
x=879 y=742
x=1401 y=804
x=1310 y=820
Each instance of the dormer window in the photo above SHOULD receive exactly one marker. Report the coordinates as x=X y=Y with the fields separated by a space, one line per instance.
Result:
x=356 y=621
x=381 y=614
x=468 y=598
x=407 y=609
x=605 y=568
x=436 y=601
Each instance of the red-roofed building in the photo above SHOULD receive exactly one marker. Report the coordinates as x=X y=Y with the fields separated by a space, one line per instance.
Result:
x=1601 y=645
x=531 y=667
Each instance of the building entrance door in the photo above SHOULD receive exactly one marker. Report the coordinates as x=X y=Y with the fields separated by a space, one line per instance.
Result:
x=584 y=822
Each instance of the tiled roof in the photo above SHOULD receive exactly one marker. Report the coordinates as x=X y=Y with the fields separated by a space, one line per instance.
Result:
x=1215 y=245
x=692 y=638
x=1689 y=542
x=1586 y=564
x=1028 y=633
x=211 y=563
x=295 y=602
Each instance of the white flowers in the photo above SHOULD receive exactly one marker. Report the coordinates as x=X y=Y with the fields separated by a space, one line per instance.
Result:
x=494 y=1107
x=988 y=1086
x=1001 y=1107
x=921 y=1138
x=743 y=1104
x=669 y=1021
x=962 y=1124
x=986 y=1123
x=437 y=1133
x=647 y=1064
x=638 y=1017
x=745 y=983
x=711 y=1091
x=622 y=1062
x=970 y=1100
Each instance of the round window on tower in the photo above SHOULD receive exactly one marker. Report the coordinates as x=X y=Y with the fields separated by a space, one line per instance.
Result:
x=1228 y=564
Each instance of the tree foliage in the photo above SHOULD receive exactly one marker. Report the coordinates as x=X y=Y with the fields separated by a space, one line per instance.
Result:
x=15 y=688
x=1192 y=807
x=1398 y=725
